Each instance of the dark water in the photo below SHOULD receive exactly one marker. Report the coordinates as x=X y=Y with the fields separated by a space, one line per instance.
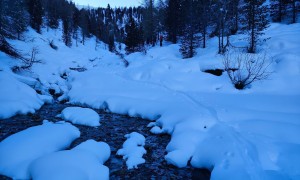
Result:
x=112 y=130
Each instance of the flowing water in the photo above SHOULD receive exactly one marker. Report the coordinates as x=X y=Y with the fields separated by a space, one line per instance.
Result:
x=112 y=130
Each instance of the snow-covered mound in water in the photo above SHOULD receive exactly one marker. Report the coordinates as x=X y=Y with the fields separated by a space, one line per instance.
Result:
x=82 y=162
x=18 y=151
x=133 y=150
x=82 y=116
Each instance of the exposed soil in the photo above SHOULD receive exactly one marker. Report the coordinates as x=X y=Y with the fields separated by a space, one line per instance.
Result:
x=216 y=72
x=112 y=130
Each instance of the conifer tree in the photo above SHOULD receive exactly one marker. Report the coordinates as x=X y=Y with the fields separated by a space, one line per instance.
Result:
x=150 y=22
x=67 y=32
x=84 y=23
x=161 y=16
x=75 y=23
x=173 y=20
x=52 y=13
x=203 y=18
x=255 y=14
x=20 y=17
x=133 y=39
x=190 y=40
x=35 y=10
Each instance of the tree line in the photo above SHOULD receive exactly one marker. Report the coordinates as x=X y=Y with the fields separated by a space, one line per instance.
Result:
x=188 y=22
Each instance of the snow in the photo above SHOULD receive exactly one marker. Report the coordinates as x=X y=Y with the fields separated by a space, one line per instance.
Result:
x=82 y=116
x=19 y=150
x=133 y=150
x=253 y=133
x=82 y=162
x=16 y=97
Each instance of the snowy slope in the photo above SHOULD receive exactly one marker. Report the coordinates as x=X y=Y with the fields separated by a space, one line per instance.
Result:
x=238 y=134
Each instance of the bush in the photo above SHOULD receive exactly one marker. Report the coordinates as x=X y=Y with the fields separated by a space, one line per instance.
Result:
x=245 y=68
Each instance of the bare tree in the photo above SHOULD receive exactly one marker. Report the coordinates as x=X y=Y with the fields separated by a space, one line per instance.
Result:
x=28 y=62
x=246 y=68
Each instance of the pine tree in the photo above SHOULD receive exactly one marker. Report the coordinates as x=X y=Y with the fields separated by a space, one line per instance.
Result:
x=190 y=40
x=173 y=20
x=255 y=14
x=20 y=17
x=84 y=23
x=225 y=23
x=111 y=42
x=75 y=24
x=294 y=9
x=52 y=13
x=133 y=39
x=161 y=16
x=35 y=10
x=150 y=22
x=204 y=18
x=67 y=32
x=13 y=21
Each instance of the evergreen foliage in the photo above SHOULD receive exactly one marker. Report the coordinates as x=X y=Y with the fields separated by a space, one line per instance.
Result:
x=255 y=14
x=134 y=40
x=189 y=21
x=190 y=40
x=35 y=10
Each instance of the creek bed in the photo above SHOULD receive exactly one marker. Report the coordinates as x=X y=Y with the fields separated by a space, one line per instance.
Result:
x=112 y=130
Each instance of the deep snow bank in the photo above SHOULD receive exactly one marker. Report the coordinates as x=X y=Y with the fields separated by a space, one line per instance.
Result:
x=17 y=97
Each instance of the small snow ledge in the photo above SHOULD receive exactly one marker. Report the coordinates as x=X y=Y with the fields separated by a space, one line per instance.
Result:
x=20 y=149
x=81 y=116
x=82 y=162
x=133 y=150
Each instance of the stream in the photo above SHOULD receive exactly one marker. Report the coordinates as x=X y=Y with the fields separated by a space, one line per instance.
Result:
x=112 y=130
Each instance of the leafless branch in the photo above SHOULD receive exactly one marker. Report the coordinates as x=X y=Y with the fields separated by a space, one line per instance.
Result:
x=245 y=68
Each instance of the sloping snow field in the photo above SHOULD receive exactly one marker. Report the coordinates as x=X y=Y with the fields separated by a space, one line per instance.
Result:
x=248 y=134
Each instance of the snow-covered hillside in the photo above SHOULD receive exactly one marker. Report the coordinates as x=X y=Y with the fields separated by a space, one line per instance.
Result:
x=238 y=134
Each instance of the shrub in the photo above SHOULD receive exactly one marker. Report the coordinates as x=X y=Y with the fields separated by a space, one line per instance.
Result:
x=246 y=68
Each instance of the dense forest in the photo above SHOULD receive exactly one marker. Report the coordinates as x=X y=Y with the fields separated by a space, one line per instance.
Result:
x=188 y=22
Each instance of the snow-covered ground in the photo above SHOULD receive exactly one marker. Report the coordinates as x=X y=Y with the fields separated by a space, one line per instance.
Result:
x=253 y=133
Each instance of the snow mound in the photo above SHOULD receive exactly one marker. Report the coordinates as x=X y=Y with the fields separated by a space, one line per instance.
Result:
x=133 y=150
x=20 y=149
x=82 y=116
x=82 y=162
x=99 y=149
x=16 y=97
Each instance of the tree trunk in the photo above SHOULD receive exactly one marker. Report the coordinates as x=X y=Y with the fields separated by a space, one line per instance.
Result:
x=280 y=11
x=294 y=11
x=252 y=41
x=204 y=36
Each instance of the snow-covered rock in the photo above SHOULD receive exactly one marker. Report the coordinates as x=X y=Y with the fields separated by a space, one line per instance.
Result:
x=85 y=161
x=133 y=150
x=19 y=150
x=82 y=116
